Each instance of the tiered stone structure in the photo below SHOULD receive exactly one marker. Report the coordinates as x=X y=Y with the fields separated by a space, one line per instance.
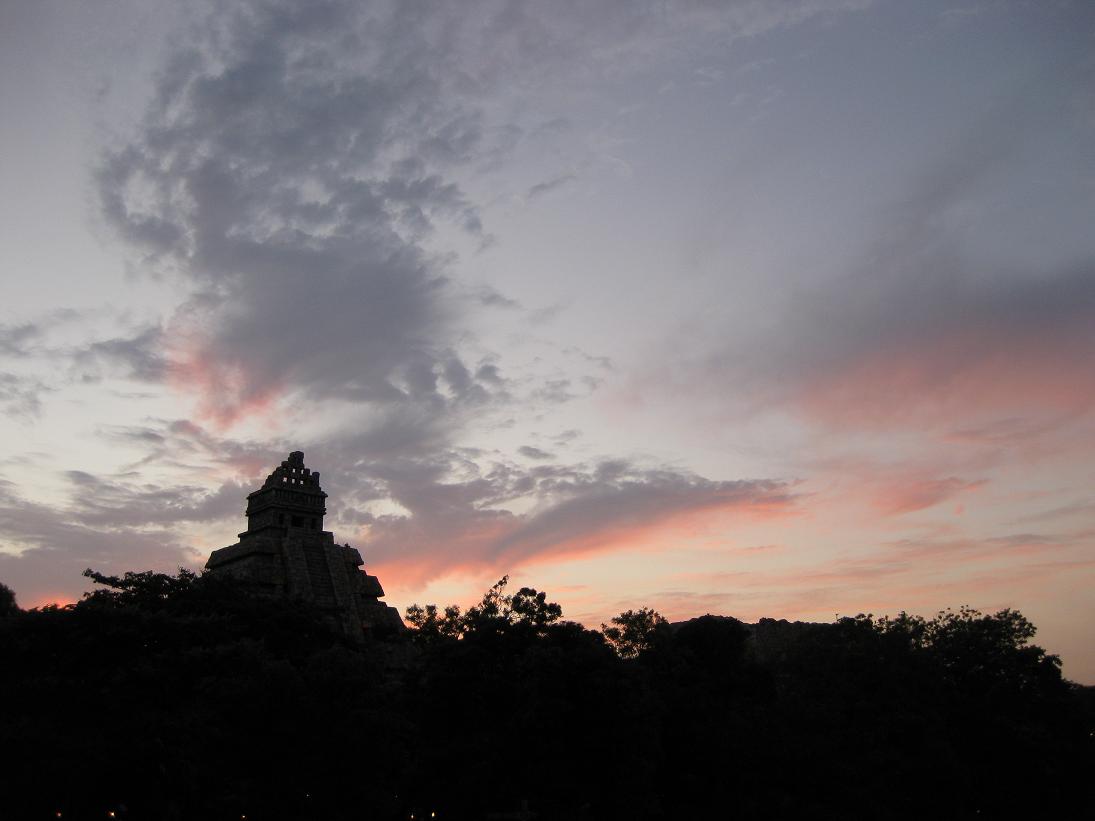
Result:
x=286 y=553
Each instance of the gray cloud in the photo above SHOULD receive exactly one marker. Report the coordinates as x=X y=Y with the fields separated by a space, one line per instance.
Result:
x=100 y=501
x=15 y=340
x=531 y=452
x=491 y=298
x=47 y=363
x=122 y=521
x=542 y=188
x=30 y=338
x=458 y=517
x=284 y=170
x=923 y=321
x=187 y=448
x=139 y=357
x=56 y=545
x=293 y=157
x=20 y=396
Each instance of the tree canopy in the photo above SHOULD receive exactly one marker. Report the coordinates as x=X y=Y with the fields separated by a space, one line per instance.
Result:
x=180 y=696
x=8 y=607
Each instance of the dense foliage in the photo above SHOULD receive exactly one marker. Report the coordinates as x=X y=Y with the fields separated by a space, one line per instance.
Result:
x=181 y=697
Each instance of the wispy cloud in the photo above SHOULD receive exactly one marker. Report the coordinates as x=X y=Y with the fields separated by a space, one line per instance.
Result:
x=542 y=188
x=47 y=548
x=21 y=396
x=918 y=493
x=922 y=331
x=577 y=510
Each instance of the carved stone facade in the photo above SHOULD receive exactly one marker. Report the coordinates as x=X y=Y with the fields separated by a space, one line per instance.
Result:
x=286 y=553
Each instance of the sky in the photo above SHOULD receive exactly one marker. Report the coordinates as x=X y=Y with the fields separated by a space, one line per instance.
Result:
x=766 y=309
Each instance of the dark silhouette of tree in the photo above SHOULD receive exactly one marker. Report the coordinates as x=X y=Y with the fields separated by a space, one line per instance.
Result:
x=635 y=631
x=431 y=626
x=526 y=693
x=498 y=613
x=8 y=606
x=527 y=609
x=181 y=696
x=979 y=651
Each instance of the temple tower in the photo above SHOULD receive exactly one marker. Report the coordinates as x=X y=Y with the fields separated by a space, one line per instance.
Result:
x=290 y=497
x=286 y=553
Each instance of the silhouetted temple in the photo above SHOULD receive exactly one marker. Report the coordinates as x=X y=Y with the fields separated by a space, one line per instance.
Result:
x=286 y=553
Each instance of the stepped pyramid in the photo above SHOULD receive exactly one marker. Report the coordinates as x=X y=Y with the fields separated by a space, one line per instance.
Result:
x=286 y=553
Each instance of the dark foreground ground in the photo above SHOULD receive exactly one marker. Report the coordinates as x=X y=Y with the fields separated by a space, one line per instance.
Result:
x=183 y=698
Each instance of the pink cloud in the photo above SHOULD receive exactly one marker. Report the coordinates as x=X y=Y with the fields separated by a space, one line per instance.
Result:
x=903 y=575
x=225 y=393
x=948 y=381
x=912 y=494
x=410 y=551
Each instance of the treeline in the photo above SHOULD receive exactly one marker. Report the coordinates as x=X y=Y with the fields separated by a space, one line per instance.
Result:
x=180 y=697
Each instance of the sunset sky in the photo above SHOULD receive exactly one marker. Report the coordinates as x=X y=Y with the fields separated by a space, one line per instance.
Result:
x=749 y=307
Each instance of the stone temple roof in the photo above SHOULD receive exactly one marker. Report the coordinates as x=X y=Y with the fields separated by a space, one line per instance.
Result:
x=292 y=474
